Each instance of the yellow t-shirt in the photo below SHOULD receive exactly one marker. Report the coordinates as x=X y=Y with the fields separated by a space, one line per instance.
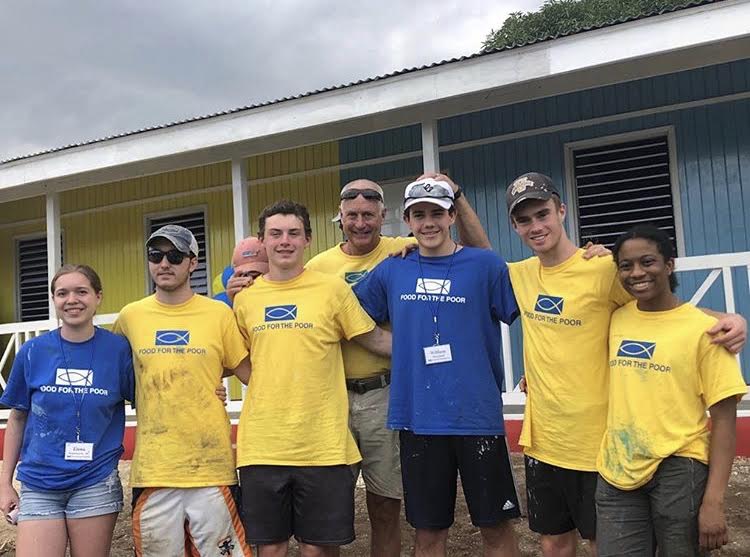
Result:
x=179 y=354
x=664 y=374
x=359 y=363
x=565 y=312
x=296 y=406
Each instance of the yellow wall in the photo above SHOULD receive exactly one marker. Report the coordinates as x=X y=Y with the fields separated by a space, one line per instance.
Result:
x=319 y=193
x=105 y=225
x=8 y=268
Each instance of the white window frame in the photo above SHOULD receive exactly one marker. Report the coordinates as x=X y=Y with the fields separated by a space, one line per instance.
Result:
x=181 y=212
x=570 y=183
x=398 y=212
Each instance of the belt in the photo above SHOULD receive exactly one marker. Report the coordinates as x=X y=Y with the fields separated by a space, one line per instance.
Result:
x=361 y=386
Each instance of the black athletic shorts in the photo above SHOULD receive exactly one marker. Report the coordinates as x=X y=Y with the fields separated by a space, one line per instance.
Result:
x=315 y=504
x=560 y=500
x=430 y=465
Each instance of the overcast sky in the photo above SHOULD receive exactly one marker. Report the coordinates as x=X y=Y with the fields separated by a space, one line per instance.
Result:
x=72 y=70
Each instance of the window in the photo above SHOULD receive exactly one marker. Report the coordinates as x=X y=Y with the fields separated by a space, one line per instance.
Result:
x=196 y=223
x=620 y=184
x=394 y=224
x=33 y=288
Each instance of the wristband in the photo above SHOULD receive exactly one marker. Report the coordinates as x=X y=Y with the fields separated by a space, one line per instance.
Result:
x=457 y=194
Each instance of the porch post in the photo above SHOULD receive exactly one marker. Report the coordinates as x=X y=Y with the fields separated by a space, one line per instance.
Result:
x=240 y=204
x=54 y=245
x=430 y=153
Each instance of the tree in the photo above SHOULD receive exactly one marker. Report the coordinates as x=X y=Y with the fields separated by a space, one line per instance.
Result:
x=559 y=17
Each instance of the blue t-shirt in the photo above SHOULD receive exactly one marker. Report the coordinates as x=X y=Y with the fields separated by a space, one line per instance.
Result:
x=463 y=396
x=98 y=375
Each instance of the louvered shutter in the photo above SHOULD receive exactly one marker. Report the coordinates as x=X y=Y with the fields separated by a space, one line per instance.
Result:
x=196 y=223
x=623 y=184
x=33 y=288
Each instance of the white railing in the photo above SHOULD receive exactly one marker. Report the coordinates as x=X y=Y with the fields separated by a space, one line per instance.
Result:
x=18 y=333
x=719 y=265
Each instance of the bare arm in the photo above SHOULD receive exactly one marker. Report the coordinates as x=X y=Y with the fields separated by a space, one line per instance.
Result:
x=242 y=371
x=11 y=452
x=730 y=332
x=377 y=341
x=236 y=283
x=712 y=522
x=470 y=231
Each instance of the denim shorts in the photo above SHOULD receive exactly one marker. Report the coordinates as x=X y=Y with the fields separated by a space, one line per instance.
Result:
x=104 y=497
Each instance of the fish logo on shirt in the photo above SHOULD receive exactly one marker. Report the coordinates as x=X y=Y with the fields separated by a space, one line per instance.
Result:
x=549 y=304
x=636 y=349
x=172 y=338
x=354 y=277
x=281 y=313
x=74 y=377
x=433 y=286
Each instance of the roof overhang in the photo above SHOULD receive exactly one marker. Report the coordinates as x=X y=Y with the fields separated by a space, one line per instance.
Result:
x=676 y=41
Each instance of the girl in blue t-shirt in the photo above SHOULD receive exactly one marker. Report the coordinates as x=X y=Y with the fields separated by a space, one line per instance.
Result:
x=67 y=393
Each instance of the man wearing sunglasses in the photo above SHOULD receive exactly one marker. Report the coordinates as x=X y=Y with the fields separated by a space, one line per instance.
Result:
x=183 y=475
x=361 y=214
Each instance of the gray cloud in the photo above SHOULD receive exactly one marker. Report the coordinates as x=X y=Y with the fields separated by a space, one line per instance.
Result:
x=77 y=70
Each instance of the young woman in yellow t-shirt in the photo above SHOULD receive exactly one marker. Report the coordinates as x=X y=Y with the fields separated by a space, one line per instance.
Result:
x=655 y=485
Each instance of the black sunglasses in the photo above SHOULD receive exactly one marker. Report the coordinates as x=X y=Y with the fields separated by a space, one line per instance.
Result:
x=174 y=256
x=353 y=193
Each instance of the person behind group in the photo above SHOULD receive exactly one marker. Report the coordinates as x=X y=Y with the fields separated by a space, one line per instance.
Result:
x=361 y=215
x=67 y=391
x=566 y=302
x=183 y=474
x=445 y=303
x=663 y=473
x=294 y=446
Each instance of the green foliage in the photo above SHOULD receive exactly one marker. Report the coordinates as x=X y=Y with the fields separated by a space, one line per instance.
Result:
x=557 y=17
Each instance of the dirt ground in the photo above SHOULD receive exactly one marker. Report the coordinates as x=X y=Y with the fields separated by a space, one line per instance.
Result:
x=465 y=540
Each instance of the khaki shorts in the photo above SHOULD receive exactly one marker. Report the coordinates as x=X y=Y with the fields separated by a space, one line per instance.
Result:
x=381 y=467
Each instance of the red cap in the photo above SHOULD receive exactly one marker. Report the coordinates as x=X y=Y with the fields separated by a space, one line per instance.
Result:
x=250 y=255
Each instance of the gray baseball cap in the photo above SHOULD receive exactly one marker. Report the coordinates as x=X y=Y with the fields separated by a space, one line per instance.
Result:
x=531 y=185
x=182 y=239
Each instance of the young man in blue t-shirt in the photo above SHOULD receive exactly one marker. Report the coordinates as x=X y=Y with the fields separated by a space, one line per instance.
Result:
x=445 y=302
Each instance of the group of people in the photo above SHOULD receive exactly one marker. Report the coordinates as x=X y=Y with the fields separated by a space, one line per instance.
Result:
x=359 y=361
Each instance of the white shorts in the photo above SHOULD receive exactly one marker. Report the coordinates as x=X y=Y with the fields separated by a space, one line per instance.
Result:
x=174 y=522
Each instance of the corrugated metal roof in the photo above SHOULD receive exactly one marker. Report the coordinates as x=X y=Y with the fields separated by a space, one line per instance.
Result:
x=691 y=4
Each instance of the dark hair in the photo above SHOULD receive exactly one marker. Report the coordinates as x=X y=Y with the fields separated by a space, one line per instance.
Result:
x=285 y=207
x=451 y=210
x=555 y=199
x=85 y=270
x=652 y=234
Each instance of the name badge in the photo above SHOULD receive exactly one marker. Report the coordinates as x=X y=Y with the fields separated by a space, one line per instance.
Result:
x=437 y=354
x=79 y=451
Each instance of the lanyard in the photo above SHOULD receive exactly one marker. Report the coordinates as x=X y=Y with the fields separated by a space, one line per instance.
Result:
x=78 y=402
x=435 y=310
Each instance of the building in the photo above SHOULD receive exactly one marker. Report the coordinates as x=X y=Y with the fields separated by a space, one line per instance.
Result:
x=646 y=119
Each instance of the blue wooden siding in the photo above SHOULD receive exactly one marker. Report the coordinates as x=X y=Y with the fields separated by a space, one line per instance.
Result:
x=382 y=144
x=713 y=159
